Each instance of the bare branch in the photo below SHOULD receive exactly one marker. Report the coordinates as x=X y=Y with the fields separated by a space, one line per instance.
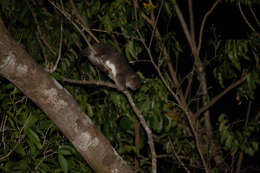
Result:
x=199 y=66
x=137 y=140
x=154 y=24
x=257 y=21
x=244 y=17
x=146 y=128
x=192 y=30
x=82 y=22
x=241 y=154
x=19 y=140
x=60 y=47
x=163 y=47
x=216 y=98
x=116 y=33
x=177 y=156
x=43 y=50
x=69 y=18
x=185 y=29
x=41 y=35
x=90 y=82
x=188 y=88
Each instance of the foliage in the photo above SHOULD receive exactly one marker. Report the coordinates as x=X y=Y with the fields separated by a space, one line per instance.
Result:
x=31 y=143
x=238 y=139
x=244 y=2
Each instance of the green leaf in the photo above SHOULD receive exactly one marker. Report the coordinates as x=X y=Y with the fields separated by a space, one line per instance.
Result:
x=58 y=171
x=5 y=4
x=95 y=7
x=89 y=110
x=107 y=24
x=20 y=150
x=67 y=150
x=126 y=123
x=168 y=124
x=130 y=50
x=34 y=138
x=157 y=123
x=168 y=8
x=235 y=60
x=228 y=142
x=255 y=145
x=63 y=163
x=11 y=121
x=249 y=151
x=31 y=121
x=17 y=167
x=167 y=147
x=221 y=118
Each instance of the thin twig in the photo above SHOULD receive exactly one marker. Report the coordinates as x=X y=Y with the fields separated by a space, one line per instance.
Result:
x=244 y=17
x=192 y=30
x=82 y=22
x=60 y=48
x=185 y=29
x=137 y=141
x=69 y=18
x=45 y=156
x=43 y=50
x=160 y=74
x=45 y=135
x=203 y=23
x=202 y=78
x=146 y=128
x=3 y=123
x=163 y=47
x=172 y=72
x=253 y=13
x=116 y=33
x=188 y=88
x=155 y=24
x=256 y=59
x=177 y=156
x=41 y=35
x=241 y=154
x=19 y=139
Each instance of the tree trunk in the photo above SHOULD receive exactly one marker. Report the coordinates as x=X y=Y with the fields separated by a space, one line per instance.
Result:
x=19 y=68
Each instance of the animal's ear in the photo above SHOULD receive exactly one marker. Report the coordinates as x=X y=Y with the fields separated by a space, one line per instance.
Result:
x=84 y=52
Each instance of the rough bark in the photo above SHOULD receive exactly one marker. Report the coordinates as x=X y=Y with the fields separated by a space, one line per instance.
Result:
x=18 y=67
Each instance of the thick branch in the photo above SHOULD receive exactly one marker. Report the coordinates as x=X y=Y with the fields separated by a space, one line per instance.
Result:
x=20 y=69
